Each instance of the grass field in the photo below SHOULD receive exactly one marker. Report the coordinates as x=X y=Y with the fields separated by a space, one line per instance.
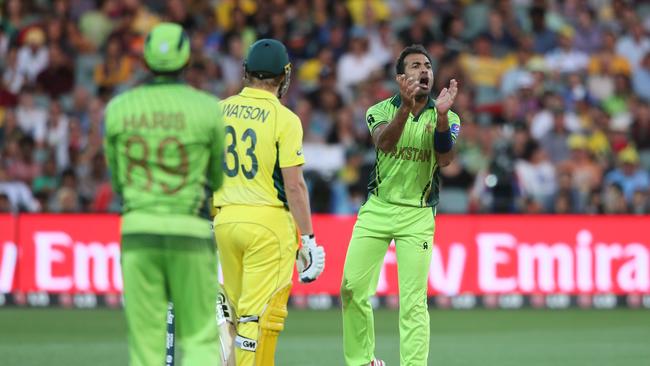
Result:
x=474 y=337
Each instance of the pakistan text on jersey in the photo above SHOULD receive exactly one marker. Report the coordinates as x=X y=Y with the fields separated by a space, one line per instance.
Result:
x=410 y=153
x=155 y=120
x=246 y=112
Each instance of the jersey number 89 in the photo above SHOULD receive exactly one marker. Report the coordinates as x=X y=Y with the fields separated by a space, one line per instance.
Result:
x=249 y=134
x=180 y=170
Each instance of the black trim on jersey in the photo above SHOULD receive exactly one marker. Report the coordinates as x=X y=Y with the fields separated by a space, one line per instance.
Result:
x=163 y=80
x=205 y=203
x=278 y=180
x=424 y=192
x=375 y=179
x=434 y=193
x=397 y=101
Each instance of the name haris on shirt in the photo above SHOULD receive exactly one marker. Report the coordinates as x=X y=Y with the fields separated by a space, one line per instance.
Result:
x=155 y=120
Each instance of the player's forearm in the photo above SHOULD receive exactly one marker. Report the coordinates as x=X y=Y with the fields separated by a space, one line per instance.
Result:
x=443 y=142
x=298 y=200
x=388 y=137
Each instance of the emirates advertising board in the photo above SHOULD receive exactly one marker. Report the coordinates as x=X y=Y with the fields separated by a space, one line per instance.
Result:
x=475 y=255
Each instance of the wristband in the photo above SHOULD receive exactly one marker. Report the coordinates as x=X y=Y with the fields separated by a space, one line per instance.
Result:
x=442 y=141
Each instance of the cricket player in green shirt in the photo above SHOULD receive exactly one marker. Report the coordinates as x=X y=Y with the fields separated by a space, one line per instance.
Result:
x=164 y=146
x=414 y=136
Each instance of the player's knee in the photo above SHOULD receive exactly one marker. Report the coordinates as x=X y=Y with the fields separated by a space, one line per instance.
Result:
x=349 y=290
x=413 y=305
x=274 y=322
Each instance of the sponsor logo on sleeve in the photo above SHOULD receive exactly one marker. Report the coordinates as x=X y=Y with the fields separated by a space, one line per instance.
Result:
x=371 y=120
x=455 y=129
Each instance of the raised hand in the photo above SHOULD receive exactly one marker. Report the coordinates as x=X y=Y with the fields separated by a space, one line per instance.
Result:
x=408 y=88
x=446 y=97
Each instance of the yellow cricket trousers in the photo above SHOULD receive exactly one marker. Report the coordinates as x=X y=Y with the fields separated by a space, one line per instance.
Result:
x=257 y=249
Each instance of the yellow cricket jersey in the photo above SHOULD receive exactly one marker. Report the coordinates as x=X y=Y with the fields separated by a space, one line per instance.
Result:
x=262 y=136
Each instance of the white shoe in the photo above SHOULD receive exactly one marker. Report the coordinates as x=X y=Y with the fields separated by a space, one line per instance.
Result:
x=377 y=362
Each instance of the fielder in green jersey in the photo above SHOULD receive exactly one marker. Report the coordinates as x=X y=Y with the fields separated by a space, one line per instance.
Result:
x=164 y=146
x=414 y=136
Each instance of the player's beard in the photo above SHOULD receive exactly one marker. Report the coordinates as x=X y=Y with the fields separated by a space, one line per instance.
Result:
x=422 y=95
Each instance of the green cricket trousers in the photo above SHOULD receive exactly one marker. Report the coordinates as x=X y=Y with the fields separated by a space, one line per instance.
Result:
x=162 y=268
x=377 y=225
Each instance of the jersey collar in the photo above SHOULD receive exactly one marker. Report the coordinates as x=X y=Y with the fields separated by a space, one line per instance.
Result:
x=163 y=79
x=397 y=101
x=257 y=93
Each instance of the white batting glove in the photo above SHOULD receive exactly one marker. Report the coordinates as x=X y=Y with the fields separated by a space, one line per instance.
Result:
x=310 y=260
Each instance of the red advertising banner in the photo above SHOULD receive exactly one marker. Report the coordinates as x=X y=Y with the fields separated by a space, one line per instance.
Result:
x=69 y=253
x=512 y=254
x=8 y=253
x=473 y=254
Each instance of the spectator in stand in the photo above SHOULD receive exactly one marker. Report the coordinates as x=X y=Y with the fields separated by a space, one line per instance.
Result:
x=640 y=203
x=231 y=64
x=31 y=118
x=47 y=182
x=9 y=130
x=502 y=40
x=566 y=58
x=419 y=31
x=628 y=176
x=641 y=79
x=15 y=17
x=117 y=66
x=483 y=70
x=57 y=135
x=549 y=118
x=356 y=65
x=588 y=35
x=614 y=201
x=555 y=141
x=640 y=133
x=567 y=199
x=57 y=78
x=97 y=24
x=18 y=193
x=517 y=75
x=316 y=71
x=33 y=56
x=92 y=178
x=586 y=173
x=634 y=45
x=544 y=39
x=12 y=80
x=25 y=168
x=536 y=175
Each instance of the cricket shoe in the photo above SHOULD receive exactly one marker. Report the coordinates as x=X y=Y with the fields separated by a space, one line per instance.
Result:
x=377 y=362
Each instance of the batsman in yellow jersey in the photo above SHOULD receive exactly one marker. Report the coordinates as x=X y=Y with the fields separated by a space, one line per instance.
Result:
x=262 y=200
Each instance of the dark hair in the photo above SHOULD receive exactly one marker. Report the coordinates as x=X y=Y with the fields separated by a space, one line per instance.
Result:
x=530 y=149
x=412 y=49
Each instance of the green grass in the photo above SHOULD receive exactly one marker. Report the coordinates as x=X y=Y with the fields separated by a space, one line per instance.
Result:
x=480 y=337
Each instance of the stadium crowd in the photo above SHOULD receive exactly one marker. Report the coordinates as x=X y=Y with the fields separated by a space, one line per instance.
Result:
x=554 y=95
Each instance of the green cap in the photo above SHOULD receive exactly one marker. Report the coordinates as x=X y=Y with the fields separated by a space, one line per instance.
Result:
x=267 y=58
x=167 y=48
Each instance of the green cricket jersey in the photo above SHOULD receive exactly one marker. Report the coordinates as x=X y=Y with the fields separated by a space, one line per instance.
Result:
x=409 y=174
x=164 y=146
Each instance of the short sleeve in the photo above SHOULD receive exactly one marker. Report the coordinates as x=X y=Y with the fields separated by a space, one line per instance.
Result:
x=454 y=124
x=376 y=116
x=290 y=142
